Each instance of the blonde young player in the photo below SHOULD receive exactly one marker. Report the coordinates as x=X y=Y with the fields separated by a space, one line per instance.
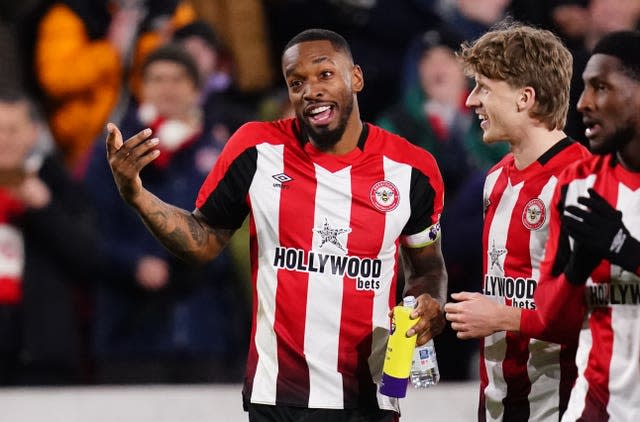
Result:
x=591 y=272
x=521 y=97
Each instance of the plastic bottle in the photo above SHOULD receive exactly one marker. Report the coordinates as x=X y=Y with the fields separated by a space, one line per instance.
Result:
x=399 y=354
x=424 y=368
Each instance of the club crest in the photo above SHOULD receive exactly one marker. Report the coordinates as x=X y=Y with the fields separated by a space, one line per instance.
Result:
x=384 y=196
x=534 y=214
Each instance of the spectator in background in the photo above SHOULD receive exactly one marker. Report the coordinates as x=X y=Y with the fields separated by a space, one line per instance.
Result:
x=80 y=50
x=472 y=18
x=158 y=319
x=242 y=27
x=433 y=115
x=379 y=32
x=582 y=23
x=47 y=244
x=162 y=18
x=586 y=21
x=226 y=109
x=83 y=52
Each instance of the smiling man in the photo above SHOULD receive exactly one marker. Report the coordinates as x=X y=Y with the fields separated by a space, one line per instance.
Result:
x=521 y=97
x=590 y=275
x=331 y=200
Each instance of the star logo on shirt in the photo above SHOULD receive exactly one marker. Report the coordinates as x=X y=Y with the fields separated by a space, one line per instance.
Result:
x=329 y=234
x=495 y=255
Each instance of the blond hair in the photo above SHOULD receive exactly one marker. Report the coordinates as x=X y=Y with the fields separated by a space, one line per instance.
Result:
x=522 y=56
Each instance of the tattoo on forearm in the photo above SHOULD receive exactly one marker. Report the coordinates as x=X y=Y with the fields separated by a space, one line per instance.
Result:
x=188 y=235
x=158 y=221
x=179 y=241
x=198 y=233
x=177 y=230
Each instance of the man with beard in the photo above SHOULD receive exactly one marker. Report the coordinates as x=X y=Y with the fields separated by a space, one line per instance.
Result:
x=590 y=276
x=330 y=198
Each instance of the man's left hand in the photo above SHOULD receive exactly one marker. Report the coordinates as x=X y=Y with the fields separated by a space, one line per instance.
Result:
x=601 y=230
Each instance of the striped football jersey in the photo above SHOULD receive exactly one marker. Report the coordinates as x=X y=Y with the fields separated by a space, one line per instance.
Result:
x=324 y=237
x=521 y=378
x=607 y=309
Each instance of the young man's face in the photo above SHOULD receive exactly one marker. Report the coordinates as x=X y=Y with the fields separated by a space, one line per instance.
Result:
x=495 y=103
x=168 y=86
x=609 y=104
x=322 y=84
x=441 y=76
x=18 y=134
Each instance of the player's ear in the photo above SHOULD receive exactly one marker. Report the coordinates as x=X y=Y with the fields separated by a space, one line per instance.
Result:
x=357 y=78
x=526 y=98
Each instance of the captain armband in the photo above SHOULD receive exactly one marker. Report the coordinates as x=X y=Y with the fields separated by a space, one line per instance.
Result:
x=425 y=238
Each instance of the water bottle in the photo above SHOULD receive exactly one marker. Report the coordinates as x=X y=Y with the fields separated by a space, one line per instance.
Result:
x=424 y=368
x=399 y=354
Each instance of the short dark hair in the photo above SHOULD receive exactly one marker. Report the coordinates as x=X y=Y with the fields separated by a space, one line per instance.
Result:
x=316 y=34
x=624 y=46
x=173 y=53
x=201 y=29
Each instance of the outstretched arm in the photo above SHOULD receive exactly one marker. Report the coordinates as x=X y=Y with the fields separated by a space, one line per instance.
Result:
x=186 y=234
x=426 y=279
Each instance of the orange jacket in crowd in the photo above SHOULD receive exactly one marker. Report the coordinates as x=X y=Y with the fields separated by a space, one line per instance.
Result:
x=81 y=78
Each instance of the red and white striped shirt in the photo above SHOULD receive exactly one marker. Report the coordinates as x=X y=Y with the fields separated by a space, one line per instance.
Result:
x=607 y=309
x=325 y=232
x=521 y=378
x=11 y=249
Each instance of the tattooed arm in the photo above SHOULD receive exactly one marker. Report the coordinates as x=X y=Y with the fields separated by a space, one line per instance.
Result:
x=186 y=234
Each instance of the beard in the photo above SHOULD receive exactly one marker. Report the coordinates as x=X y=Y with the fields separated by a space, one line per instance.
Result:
x=323 y=137
x=615 y=142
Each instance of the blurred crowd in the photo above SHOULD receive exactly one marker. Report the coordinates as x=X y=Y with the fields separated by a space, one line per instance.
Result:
x=86 y=294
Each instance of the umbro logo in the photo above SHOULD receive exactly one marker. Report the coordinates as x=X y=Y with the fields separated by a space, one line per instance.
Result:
x=281 y=179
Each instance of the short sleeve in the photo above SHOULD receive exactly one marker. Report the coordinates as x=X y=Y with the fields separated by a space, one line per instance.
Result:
x=222 y=198
x=427 y=200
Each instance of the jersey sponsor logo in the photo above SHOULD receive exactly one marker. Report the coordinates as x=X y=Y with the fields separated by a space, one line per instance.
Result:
x=518 y=290
x=495 y=254
x=281 y=179
x=365 y=271
x=606 y=294
x=384 y=196
x=534 y=214
x=330 y=235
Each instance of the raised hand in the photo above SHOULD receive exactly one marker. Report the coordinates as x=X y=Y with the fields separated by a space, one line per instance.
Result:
x=127 y=159
x=600 y=229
